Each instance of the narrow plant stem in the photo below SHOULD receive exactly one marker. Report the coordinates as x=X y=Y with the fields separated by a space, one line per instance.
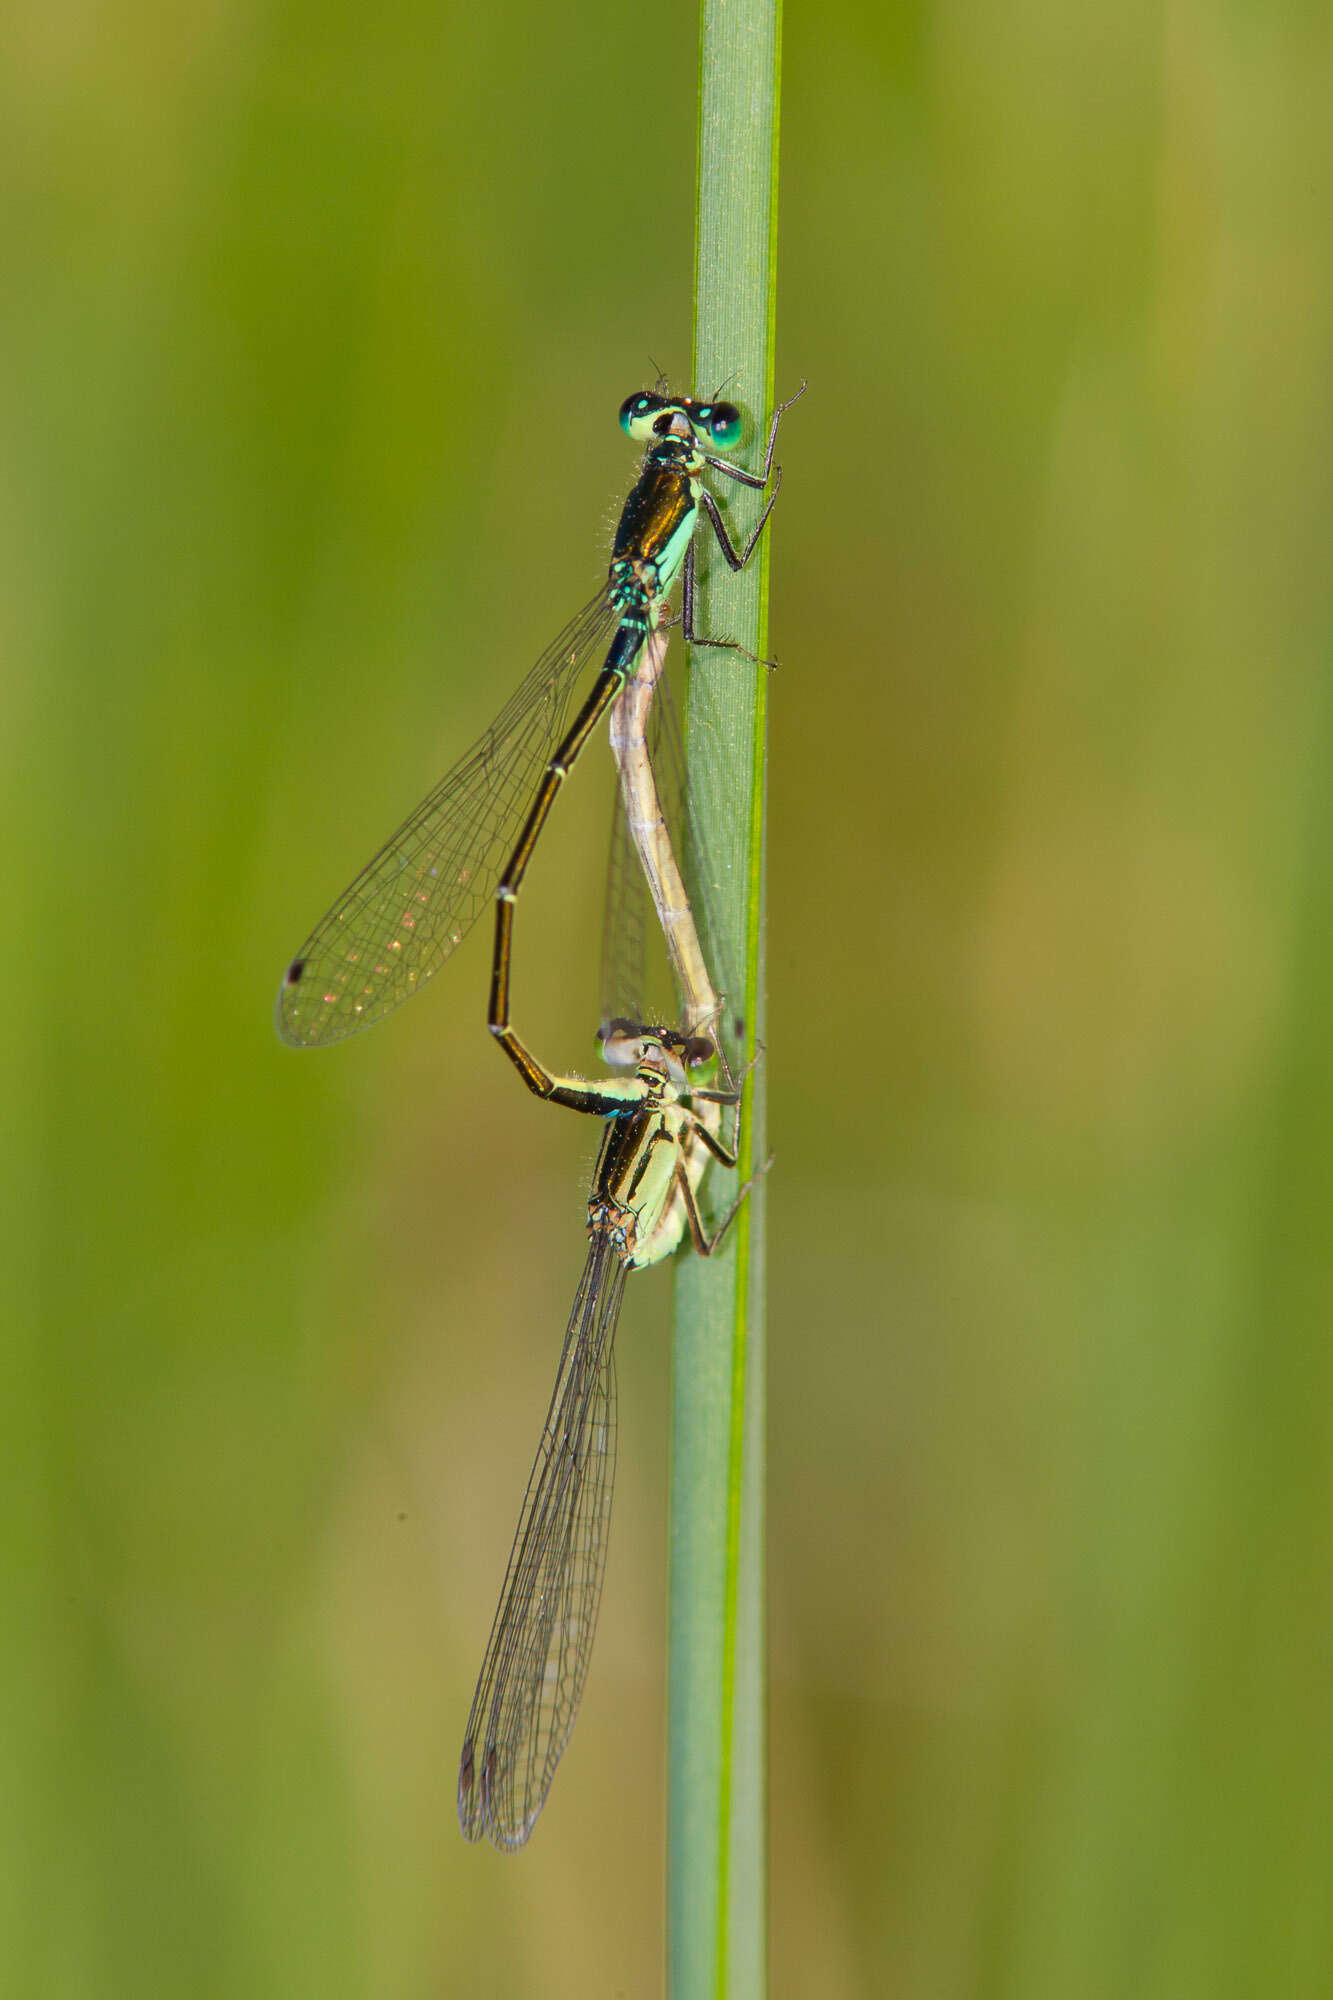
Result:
x=716 y=1813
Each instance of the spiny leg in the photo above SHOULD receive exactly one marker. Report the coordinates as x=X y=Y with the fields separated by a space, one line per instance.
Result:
x=738 y=472
x=731 y=1097
x=736 y=558
x=699 y=1236
x=687 y=626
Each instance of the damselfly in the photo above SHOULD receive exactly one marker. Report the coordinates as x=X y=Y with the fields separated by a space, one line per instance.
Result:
x=659 y=1135
x=662 y=1127
x=418 y=897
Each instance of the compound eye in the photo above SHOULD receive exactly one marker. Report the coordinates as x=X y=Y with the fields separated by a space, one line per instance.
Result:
x=724 y=423
x=636 y=408
x=620 y=1040
x=697 y=1051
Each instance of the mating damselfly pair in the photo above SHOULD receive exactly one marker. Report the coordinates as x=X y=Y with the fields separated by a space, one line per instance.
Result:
x=470 y=841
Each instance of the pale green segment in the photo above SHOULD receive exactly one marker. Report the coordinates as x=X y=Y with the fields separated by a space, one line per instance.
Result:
x=672 y=559
x=661 y=1215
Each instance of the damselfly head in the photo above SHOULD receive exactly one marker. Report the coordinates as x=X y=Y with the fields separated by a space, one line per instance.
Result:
x=650 y=414
x=691 y=1052
x=686 y=1059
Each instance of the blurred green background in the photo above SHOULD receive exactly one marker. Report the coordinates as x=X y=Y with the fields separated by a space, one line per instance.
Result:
x=315 y=324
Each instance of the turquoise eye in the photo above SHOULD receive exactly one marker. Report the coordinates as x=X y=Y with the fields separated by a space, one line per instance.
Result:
x=724 y=423
x=635 y=408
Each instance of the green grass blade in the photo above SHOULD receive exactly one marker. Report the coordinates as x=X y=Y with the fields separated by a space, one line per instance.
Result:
x=716 y=1814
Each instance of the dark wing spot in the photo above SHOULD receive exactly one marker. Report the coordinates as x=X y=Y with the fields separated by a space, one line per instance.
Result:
x=295 y=971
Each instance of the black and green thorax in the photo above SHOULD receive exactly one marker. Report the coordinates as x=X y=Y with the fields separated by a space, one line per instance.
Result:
x=633 y=1176
x=656 y=527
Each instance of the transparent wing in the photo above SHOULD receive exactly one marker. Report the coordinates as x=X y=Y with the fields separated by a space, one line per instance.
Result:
x=420 y=895
x=635 y=978
x=537 y=1657
x=628 y=989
